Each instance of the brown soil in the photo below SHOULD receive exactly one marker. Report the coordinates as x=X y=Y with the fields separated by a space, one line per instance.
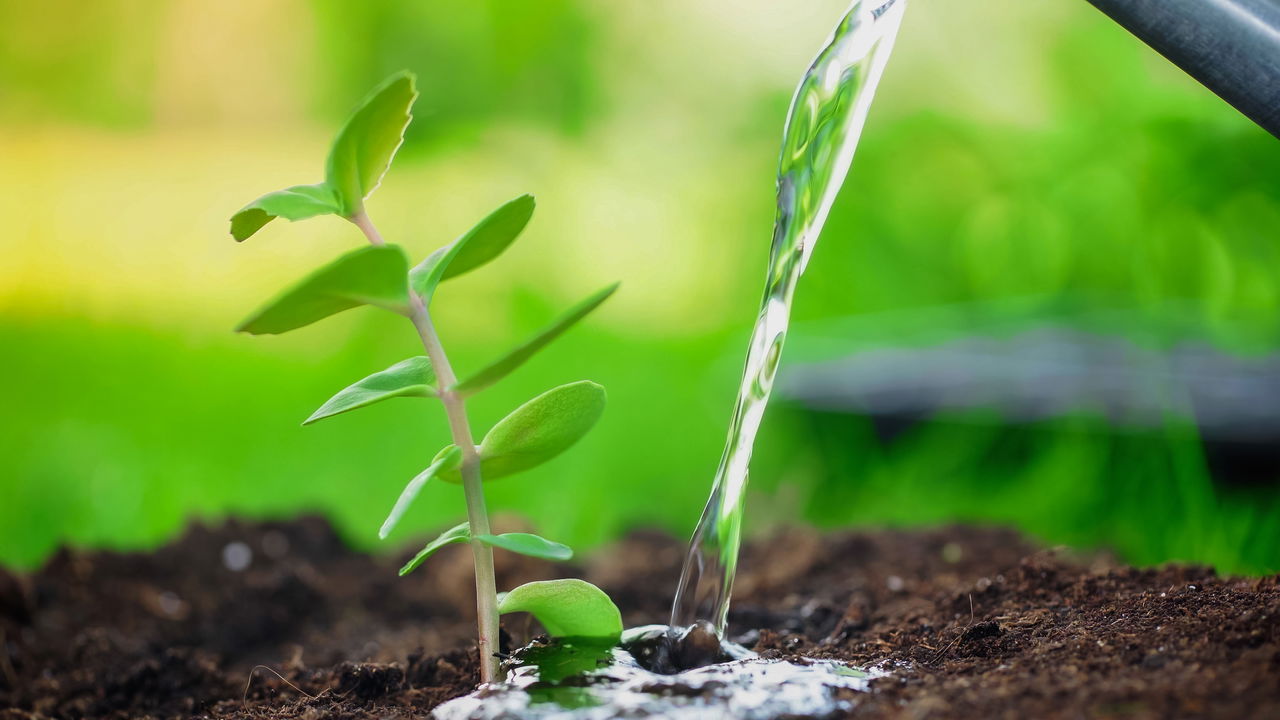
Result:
x=989 y=626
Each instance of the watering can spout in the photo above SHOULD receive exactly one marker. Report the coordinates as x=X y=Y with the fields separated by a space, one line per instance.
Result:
x=1230 y=46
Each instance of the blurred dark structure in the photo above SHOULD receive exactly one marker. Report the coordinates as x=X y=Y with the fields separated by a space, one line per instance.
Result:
x=1052 y=372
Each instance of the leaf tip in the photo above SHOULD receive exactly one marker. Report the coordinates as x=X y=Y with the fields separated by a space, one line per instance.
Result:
x=247 y=222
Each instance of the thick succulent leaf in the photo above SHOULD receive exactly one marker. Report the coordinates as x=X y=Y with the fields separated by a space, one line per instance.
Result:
x=366 y=144
x=478 y=246
x=408 y=378
x=528 y=544
x=514 y=359
x=368 y=276
x=296 y=203
x=566 y=608
x=541 y=429
x=460 y=533
x=445 y=459
x=538 y=431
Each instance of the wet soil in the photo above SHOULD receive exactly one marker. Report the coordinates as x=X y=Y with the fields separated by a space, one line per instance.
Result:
x=279 y=620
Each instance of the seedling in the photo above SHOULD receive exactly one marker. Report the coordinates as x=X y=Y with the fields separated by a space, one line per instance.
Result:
x=379 y=275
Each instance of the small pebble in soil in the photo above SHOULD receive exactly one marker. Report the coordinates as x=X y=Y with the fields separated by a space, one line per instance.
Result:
x=952 y=553
x=171 y=605
x=275 y=544
x=236 y=556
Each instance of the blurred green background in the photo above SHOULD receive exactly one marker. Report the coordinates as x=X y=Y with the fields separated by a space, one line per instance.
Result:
x=1020 y=156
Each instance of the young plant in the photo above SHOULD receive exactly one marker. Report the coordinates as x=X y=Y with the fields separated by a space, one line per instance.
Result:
x=379 y=275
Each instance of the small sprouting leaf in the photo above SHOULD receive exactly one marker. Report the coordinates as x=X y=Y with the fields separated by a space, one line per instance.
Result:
x=368 y=276
x=296 y=203
x=460 y=533
x=365 y=146
x=539 y=430
x=408 y=378
x=478 y=246
x=514 y=359
x=566 y=608
x=528 y=544
x=446 y=459
x=359 y=158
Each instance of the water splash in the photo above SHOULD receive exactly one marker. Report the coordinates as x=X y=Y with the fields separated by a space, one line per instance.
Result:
x=570 y=680
x=823 y=125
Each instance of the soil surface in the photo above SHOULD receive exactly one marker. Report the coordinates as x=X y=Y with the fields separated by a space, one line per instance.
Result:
x=280 y=620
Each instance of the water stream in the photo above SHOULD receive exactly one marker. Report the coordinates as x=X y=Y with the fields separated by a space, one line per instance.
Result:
x=824 y=123
x=686 y=670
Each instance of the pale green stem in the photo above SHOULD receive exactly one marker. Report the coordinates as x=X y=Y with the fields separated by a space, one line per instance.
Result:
x=362 y=221
x=472 y=485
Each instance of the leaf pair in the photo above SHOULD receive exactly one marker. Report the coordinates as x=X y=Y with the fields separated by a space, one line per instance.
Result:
x=532 y=434
x=415 y=377
x=359 y=158
x=520 y=543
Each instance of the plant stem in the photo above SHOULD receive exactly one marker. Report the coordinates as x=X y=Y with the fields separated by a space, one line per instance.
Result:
x=472 y=485
x=362 y=221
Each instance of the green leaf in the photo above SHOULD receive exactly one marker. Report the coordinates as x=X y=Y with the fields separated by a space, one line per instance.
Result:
x=566 y=608
x=514 y=359
x=368 y=276
x=478 y=246
x=408 y=378
x=460 y=533
x=528 y=544
x=445 y=459
x=538 y=431
x=357 y=161
x=296 y=203
x=366 y=144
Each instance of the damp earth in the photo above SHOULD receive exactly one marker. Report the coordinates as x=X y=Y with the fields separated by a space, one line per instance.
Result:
x=968 y=622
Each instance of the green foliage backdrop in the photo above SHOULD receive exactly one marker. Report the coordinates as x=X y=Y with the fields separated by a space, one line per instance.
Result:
x=1022 y=158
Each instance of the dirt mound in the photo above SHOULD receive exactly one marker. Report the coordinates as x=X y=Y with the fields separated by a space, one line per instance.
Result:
x=988 y=624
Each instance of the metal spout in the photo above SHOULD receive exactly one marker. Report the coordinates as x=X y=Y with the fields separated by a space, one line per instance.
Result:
x=1231 y=46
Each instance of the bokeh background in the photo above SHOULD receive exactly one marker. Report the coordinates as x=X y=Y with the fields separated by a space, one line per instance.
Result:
x=1033 y=183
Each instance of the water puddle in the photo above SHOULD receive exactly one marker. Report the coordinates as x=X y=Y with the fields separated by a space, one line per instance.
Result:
x=574 y=679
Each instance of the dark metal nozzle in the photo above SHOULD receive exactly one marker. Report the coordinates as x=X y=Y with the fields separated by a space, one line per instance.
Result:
x=1230 y=46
